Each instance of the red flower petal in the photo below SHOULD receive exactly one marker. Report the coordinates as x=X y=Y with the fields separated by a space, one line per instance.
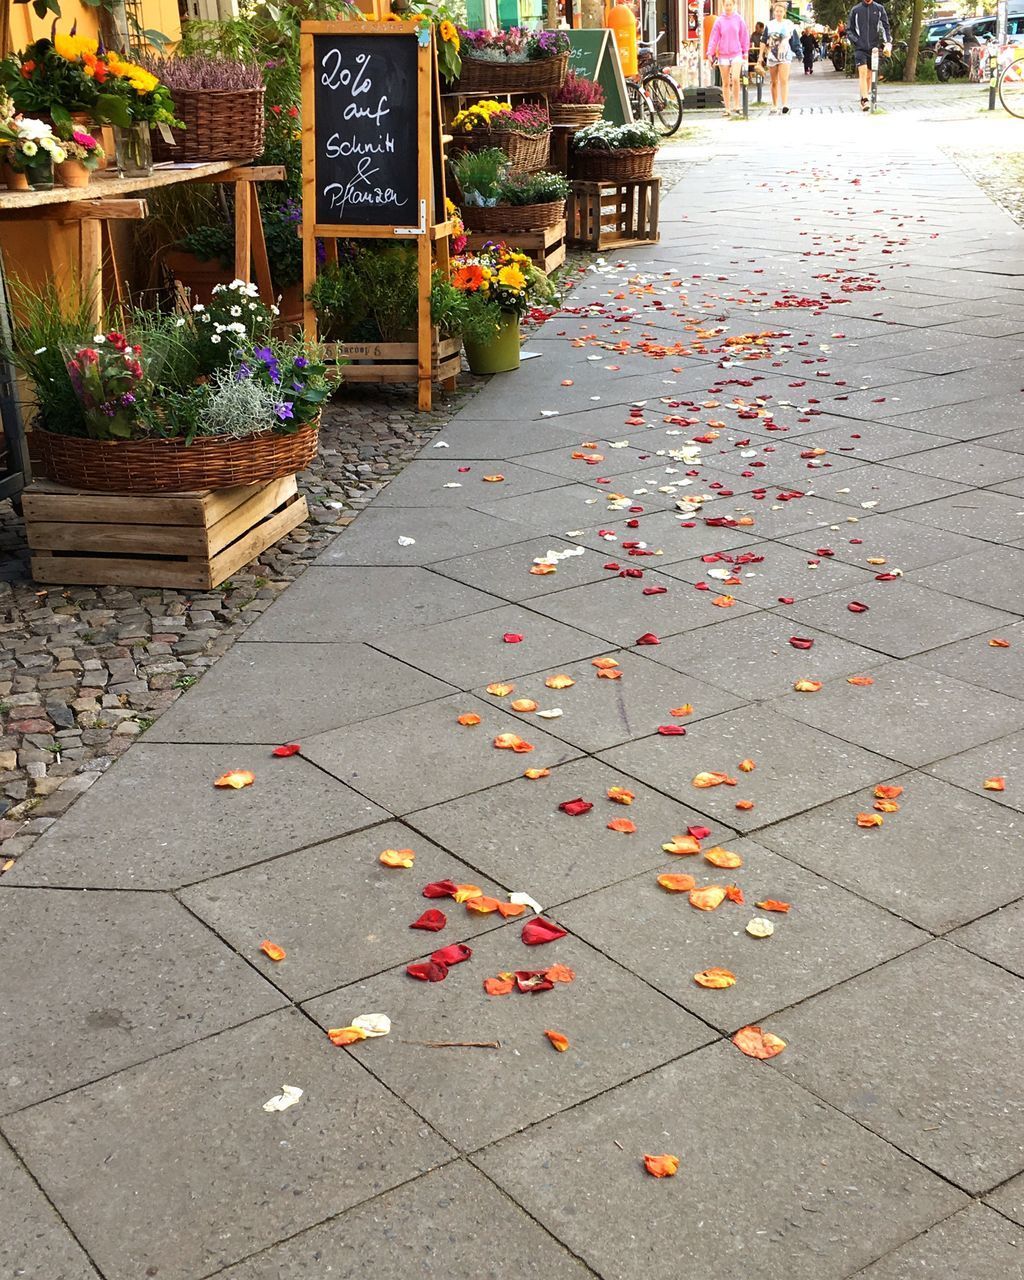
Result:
x=699 y=833
x=455 y=954
x=648 y=638
x=427 y=971
x=855 y=606
x=440 y=889
x=512 y=637
x=432 y=920
x=654 y=591
x=532 y=980
x=800 y=642
x=288 y=749
x=671 y=730
x=575 y=807
x=786 y=599
x=540 y=930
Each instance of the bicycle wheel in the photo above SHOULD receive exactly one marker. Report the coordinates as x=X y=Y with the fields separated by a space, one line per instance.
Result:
x=1011 y=88
x=638 y=102
x=667 y=103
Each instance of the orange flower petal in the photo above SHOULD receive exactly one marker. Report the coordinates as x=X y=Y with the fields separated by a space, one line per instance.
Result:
x=511 y=742
x=715 y=979
x=523 y=704
x=558 y=1041
x=887 y=793
x=756 y=1043
x=887 y=806
x=706 y=899
x=236 y=779
x=677 y=883
x=482 y=904
x=724 y=602
x=621 y=795
x=560 y=682
x=345 y=1035
x=609 y=673
x=682 y=845
x=685 y=710
x=272 y=950
x=709 y=779
x=493 y=479
x=463 y=892
x=542 y=569
x=772 y=904
x=662 y=1166
x=744 y=804
x=603 y=664
x=501 y=690
x=869 y=819
x=719 y=857
x=560 y=973
x=397 y=857
x=997 y=642
x=622 y=824
x=499 y=986
x=734 y=893
x=995 y=784
x=859 y=680
x=469 y=718
x=534 y=774
x=509 y=910
x=807 y=686
x=746 y=766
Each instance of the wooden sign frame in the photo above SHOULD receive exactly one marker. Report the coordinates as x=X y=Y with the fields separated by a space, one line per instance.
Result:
x=433 y=227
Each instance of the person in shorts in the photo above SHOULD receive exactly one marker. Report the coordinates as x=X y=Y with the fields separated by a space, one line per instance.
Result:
x=783 y=47
x=867 y=27
x=729 y=45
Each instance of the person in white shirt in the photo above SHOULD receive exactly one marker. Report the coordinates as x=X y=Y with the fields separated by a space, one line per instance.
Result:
x=783 y=45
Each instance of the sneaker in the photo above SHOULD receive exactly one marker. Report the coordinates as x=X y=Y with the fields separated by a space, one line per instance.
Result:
x=785 y=111
x=773 y=112
x=865 y=105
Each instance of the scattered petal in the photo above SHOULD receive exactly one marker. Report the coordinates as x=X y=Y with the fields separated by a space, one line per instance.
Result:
x=715 y=979
x=995 y=784
x=759 y=927
x=574 y=808
x=500 y=986
x=621 y=795
x=661 y=1166
x=712 y=780
x=272 y=950
x=406 y=542
x=560 y=682
x=534 y=774
x=609 y=673
x=807 y=686
x=500 y=690
x=869 y=819
x=719 y=857
x=883 y=792
x=746 y=766
x=603 y=664
x=997 y=642
x=236 y=779
x=524 y=900
x=523 y=704
x=469 y=718
x=427 y=971
x=511 y=742
x=287 y=749
x=552 y=713
x=397 y=857
x=648 y=638
x=558 y=1041
x=512 y=637
x=682 y=845
x=440 y=889
x=708 y=898
x=342 y=1036
x=492 y=479
x=431 y=920
x=745 y=805
x=560 y=973
x=374 y=1024
x=530 y=981
x=677 y=883
x=482 y=905
x=671 y=730
x=801 y=642
x=455 y=954
x=622 y=824
x=860 y=680
x=756 y=1043
x=685 y=710
x=464 y=892
x=772 y=904
x=540 y=930
x=289 y=1095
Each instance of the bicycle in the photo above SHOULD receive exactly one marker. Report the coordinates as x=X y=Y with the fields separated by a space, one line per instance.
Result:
x=1010 y=88
x=653 y=95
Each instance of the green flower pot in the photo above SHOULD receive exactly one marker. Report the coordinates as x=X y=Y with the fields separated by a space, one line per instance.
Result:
x=501 y=354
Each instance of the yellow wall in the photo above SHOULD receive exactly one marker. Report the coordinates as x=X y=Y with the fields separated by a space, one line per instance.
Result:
x=41 y=251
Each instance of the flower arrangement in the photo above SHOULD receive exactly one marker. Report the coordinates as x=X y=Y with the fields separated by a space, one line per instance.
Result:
x=515 y=45
x=605 y=136
x=497 y=280
x=111 y=385
x=83 y=148
x=480 y=116
x=447 y=38
x=30 y=144
x=533 y=188
x=528 y=119
x=578 y=91
x=458 y=236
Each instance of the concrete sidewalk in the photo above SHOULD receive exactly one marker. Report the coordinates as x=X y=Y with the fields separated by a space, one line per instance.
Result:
x=839 y=330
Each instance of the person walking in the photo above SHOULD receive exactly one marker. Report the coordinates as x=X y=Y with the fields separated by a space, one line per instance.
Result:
x=809 y=44
x=729 y=44
x=783 y=47
x=866 y=28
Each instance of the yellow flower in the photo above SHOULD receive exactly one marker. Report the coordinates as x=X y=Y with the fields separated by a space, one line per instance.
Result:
x=449 y=34
x=72 y=48
x=511 y=278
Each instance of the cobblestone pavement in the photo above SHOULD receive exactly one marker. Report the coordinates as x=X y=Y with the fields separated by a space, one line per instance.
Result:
x=733 y=571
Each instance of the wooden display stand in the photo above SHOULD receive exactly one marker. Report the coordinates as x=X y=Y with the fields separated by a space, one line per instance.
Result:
x=385 y=362
x=192 y=540
x=372 y=164
x=546 y=248
x=614 y=215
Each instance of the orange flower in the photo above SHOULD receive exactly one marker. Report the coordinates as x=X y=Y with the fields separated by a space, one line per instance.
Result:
x=468 y=278
x=662 y=1166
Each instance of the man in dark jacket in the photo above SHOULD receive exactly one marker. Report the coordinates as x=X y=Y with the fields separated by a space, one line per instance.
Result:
x=809 y=44
x=867 y=28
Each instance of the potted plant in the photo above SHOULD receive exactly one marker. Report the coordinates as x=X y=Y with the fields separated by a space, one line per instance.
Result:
x=522 y=132
x=579 y=102
x=220 y=103
x=479 y=175
x=30 y=151
x=614 y=152
x=500 y=285
x=516 y=202
x=84 y=155
x=173 y=403
x=513 y=61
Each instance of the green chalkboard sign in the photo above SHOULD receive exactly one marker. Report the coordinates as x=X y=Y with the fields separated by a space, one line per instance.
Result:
x=593 y=54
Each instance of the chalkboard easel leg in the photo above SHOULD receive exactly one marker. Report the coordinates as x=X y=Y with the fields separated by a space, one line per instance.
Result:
x=424 y=345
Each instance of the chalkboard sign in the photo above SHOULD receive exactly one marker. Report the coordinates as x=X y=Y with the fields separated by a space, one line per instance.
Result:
x=365 y=115
x=594 y=54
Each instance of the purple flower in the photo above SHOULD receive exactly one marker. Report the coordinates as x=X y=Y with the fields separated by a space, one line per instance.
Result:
x=283 y=411
x=243 y=372
x=298 y=387
x=301 y=362
x=127 y=399
x=269 y=361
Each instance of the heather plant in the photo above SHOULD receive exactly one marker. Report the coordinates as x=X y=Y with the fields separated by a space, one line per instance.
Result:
x=198 y=71
x=578 y=91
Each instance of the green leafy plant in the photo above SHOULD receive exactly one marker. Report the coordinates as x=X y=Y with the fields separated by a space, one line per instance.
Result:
x=480 y=173
x=533 y=188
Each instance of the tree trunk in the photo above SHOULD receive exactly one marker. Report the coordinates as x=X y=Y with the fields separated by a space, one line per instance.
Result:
x=914 y=42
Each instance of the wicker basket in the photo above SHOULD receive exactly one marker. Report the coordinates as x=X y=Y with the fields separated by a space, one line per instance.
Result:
x=593 y=164
x=172 y=466
x=542 y=75
x=220 y=124
x=527 y=153
x=576 y=114
x=505 y=220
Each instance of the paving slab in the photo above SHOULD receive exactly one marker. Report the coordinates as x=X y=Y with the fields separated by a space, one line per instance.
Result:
x=1013 y=487
x=968 y=463
x=516 y=833
x=998 y=937
x=937 y=874
x=470 y=440
x=599 y=713
x=904 y=1021
x=174 y=827
x=300 y=689
x=338 y=913
x=901 y=619
x=1012 y=440
x=974 y=1244
x=618 y=611
x=910 y=713
x=422 y=756
x=751 y=656
x=884 y=487
x=618 y=1028
x=337 y=604
x=34 y=1241
x=122 y=977
x=560 y=462
x=671 y=535
x=373 y=538
x=666 y=941
x=452 y=1222
x=1009 y=1199
x=900 y=542
x=786 y=754
x=774 y=519
x=581 y=1176
x=505 y=571
x=993 y=576
x=447 y=482
x=1002 y=757
x=858 y=442
x=233 y=1179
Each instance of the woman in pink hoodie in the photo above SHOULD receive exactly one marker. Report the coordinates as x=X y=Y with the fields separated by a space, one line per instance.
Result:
x=729 y=44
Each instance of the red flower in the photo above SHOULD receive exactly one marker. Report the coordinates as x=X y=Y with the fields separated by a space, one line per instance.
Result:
x=27 y=68
x=276 y=110
x=293 y=112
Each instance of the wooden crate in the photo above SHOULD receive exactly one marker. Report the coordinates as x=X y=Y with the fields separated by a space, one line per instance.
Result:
x=194 y=540
x=613 y=215
x=381 y=362
x=545 y=248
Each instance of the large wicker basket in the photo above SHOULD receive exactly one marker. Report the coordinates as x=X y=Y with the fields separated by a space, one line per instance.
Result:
x=592 y=164
x=505 y=220
x=172 y=466
x=542 y=75
x=576 y=114
x=220 y=124
x=527 y=153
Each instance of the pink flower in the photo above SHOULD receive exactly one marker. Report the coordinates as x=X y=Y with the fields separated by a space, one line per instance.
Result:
x=88 y=356
x=85 y=140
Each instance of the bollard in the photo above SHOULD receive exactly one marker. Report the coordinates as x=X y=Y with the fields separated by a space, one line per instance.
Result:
x=745 y=87
x=760 y=86
x=993 y=78
x=874 y=77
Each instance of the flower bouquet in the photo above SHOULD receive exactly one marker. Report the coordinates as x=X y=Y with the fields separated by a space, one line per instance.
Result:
x=30 y=150
x=83 y=156
x=500 y=285
x=513 y=61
